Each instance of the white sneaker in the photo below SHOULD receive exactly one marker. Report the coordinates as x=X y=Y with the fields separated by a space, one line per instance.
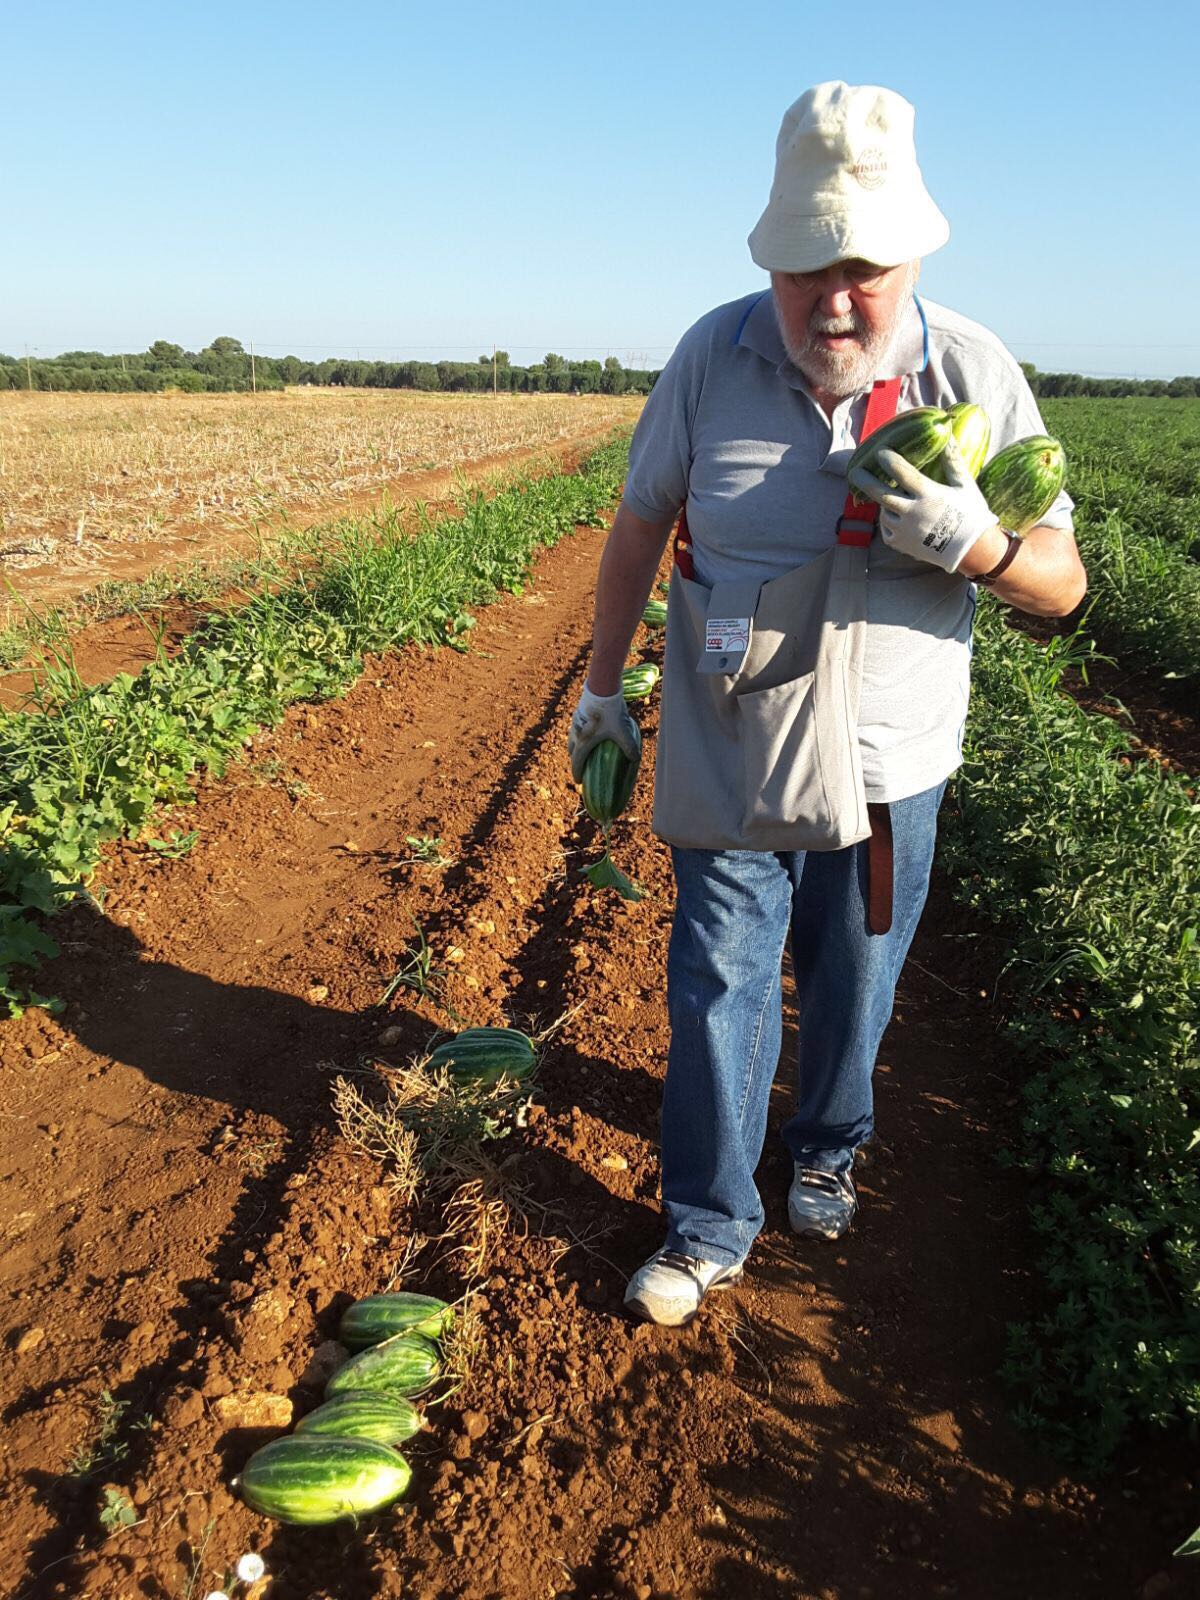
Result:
x=670 y=1287
x=821 y=1205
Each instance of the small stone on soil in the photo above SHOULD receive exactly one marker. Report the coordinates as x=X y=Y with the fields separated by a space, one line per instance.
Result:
x=476 y=1423
x=256 y=1410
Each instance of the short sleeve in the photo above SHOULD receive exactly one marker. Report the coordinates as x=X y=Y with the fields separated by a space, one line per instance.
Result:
x=660 y=455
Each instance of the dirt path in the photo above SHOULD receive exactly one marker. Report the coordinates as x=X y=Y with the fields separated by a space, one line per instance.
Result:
x=182 y=1225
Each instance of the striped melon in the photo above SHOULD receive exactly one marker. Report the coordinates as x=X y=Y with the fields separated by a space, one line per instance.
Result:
x=404 y=1364
x=364 y=1414
x=608 y=780
x=379 y=1316
x=640 y=681
x=308 y=1479
x=487 y=1055
x=1023 y=481
x=972 y=433
x=918 y=435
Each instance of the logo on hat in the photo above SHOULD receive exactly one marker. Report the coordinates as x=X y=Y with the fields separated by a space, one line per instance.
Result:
x=870 y=169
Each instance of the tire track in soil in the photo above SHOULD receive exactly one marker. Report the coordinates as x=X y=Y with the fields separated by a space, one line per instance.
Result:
x=589 y=1457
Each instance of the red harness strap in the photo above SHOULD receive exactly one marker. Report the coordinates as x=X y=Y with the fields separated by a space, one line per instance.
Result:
x=683 y=547
x=856 y=525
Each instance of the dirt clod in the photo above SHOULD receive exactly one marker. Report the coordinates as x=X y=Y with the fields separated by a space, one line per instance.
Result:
x=255 y=1410
x=182 y=1410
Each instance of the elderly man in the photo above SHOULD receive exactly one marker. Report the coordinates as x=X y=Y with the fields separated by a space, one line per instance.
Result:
x=817 y=667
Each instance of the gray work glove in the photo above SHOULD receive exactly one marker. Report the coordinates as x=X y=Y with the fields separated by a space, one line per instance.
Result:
x=600 y=717
x=934 y=522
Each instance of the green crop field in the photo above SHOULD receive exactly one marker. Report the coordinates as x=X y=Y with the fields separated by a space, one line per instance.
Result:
x=1135 y=478
x=312 y=820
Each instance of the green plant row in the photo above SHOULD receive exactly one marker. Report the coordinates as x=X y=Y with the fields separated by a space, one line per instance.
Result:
x=1140 y=458
x=1135 y=477
x=87 y=764
x=1144 y=596
x=1086 y=859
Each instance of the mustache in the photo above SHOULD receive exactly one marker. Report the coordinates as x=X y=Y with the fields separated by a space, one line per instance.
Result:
x=850 y=323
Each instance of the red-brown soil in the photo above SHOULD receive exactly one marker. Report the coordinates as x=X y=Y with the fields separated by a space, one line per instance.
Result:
x=1158 y=715
x=183 y=1224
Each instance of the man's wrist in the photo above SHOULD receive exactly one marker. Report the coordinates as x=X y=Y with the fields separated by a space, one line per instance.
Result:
x=985 y=552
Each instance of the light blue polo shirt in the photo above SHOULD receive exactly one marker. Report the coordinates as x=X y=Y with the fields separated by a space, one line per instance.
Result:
x=732 y=428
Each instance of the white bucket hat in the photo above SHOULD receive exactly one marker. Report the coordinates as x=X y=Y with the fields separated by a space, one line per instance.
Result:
x=846 y=184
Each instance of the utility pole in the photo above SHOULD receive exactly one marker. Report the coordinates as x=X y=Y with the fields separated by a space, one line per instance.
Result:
x=494 y=389
x=28 y=369
x=253 y=374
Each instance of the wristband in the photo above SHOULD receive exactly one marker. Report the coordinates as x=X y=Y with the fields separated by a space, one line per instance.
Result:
x=1014 y=544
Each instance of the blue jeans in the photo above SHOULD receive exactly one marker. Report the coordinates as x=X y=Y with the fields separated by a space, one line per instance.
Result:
x=734 y=911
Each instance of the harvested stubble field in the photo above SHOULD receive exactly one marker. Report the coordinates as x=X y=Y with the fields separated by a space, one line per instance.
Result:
x=183 y=1222
x=97 y=487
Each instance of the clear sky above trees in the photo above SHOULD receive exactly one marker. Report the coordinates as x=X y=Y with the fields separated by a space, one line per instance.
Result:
x=398 y=181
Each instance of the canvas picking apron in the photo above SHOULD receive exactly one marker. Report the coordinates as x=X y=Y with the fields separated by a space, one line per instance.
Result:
x=758 y=741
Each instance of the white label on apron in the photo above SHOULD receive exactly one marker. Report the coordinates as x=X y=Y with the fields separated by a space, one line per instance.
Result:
x=726 y=635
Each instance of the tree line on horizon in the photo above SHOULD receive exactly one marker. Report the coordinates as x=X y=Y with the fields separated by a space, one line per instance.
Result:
x=1063 y=385
x=226 y=366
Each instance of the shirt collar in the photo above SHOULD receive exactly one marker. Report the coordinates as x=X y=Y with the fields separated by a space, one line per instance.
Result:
x=760 y=332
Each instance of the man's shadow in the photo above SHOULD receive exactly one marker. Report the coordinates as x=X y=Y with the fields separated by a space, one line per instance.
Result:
x=248 y=1047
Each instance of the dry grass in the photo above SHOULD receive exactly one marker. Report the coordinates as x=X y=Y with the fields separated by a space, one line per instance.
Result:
x=478 y=1216
x=425 y=1124
x=375 y=1128
x=436 y=1136
x=76 y=468
x=432 y=1133
x=466 y=1343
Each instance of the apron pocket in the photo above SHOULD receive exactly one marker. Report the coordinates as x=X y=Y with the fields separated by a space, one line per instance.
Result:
x=782 y=779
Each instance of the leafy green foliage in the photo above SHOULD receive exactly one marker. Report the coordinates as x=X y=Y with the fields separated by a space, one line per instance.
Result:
x=117 y=1511
x=1134 y=473
x=178 y=845
x=1087 y=859
x=606 y=874
x=85 y=764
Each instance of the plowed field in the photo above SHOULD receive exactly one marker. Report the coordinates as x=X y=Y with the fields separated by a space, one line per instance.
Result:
x=183 y=1223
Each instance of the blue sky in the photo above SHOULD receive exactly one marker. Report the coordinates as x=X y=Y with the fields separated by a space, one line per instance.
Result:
x=431 y=180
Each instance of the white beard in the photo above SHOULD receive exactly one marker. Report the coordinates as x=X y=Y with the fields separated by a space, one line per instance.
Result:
x=844 y=372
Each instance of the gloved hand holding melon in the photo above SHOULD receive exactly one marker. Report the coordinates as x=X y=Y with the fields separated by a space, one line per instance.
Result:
x=1020 y=483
